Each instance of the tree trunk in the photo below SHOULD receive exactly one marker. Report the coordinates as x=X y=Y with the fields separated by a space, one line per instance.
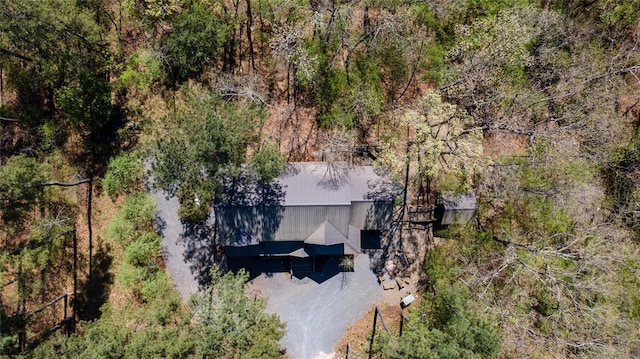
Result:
x=1 y=87
x=249 y=38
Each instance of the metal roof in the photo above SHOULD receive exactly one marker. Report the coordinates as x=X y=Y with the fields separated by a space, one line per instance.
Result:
x=367 y=183
x=299 y=222
x=352 y=245
x=315 y=183
x=326 y=234
x=317 y=203
x=300 y=253
x=371 y=215
x=249 y=225
x=457 y=207
x=457 y=201
x=326 y=183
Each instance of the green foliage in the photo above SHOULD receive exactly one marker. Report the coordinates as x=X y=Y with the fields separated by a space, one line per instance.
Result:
x=443 y=326
x=161 y=9
x=630 y=277
x=109 y=337
x=434 y=61
x=347 y=263
x=36 y=226
x=131 y=277
x=194 y=206
x=20 y=189
x=53 y=134
x=619 y=15
x=331 y=88
x=620 y=175
x=155 y=288
x=223 y=323
x=57 y=58
x=134 y=219
x=142 y=252
x=123 y=174
x=228 y=320
x=196 y=39
x=437 y=130
x=507 y=35
x=556 y=267
x=268 y=162
x=8 y=343
x=208 y=136
x=480 y=8
x=140 y=271
x=142 y=70
x=87 y=103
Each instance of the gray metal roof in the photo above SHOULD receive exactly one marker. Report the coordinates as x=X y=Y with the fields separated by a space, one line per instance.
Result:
x=458 y=201
x=244 y=225
x=367 y=183
x=319 y=203
x=325 y=183
x=326 y=234
x=315 y=183
x=300 y=253
x=458 y=207
x=352 y=245
x=371 y=215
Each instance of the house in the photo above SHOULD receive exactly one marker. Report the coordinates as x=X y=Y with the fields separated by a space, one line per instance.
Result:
x=314 y=212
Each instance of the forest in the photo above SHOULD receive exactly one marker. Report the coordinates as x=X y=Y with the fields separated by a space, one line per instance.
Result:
x=534 y=105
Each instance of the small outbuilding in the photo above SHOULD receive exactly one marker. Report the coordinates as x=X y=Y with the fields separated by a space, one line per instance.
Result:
x=453 y=207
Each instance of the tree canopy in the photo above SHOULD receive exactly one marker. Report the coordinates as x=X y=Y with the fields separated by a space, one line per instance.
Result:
x=221 y=322
x=532 y=105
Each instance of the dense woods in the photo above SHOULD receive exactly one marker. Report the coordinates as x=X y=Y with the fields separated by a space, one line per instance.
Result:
x=533 y=105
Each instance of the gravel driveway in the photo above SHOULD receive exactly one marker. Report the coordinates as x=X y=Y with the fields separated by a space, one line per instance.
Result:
x=173 y=245
x=317 y=315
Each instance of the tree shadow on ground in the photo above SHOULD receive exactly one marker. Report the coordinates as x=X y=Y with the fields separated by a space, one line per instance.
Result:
x=161 y=224
x=391 y=258
x=102 y=141
x=94 y=291
x=200 y=248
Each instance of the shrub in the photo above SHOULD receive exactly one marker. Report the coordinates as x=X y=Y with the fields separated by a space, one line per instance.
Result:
x=123 y=174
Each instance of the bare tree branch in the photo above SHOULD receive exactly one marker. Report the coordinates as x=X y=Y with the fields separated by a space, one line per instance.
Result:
x=9 y=119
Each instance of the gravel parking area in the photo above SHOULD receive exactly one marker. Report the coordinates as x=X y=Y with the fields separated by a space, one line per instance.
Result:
x=317 y=314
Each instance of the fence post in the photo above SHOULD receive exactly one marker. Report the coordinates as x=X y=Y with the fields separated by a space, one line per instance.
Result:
x=373 y=333
x=74 y=303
